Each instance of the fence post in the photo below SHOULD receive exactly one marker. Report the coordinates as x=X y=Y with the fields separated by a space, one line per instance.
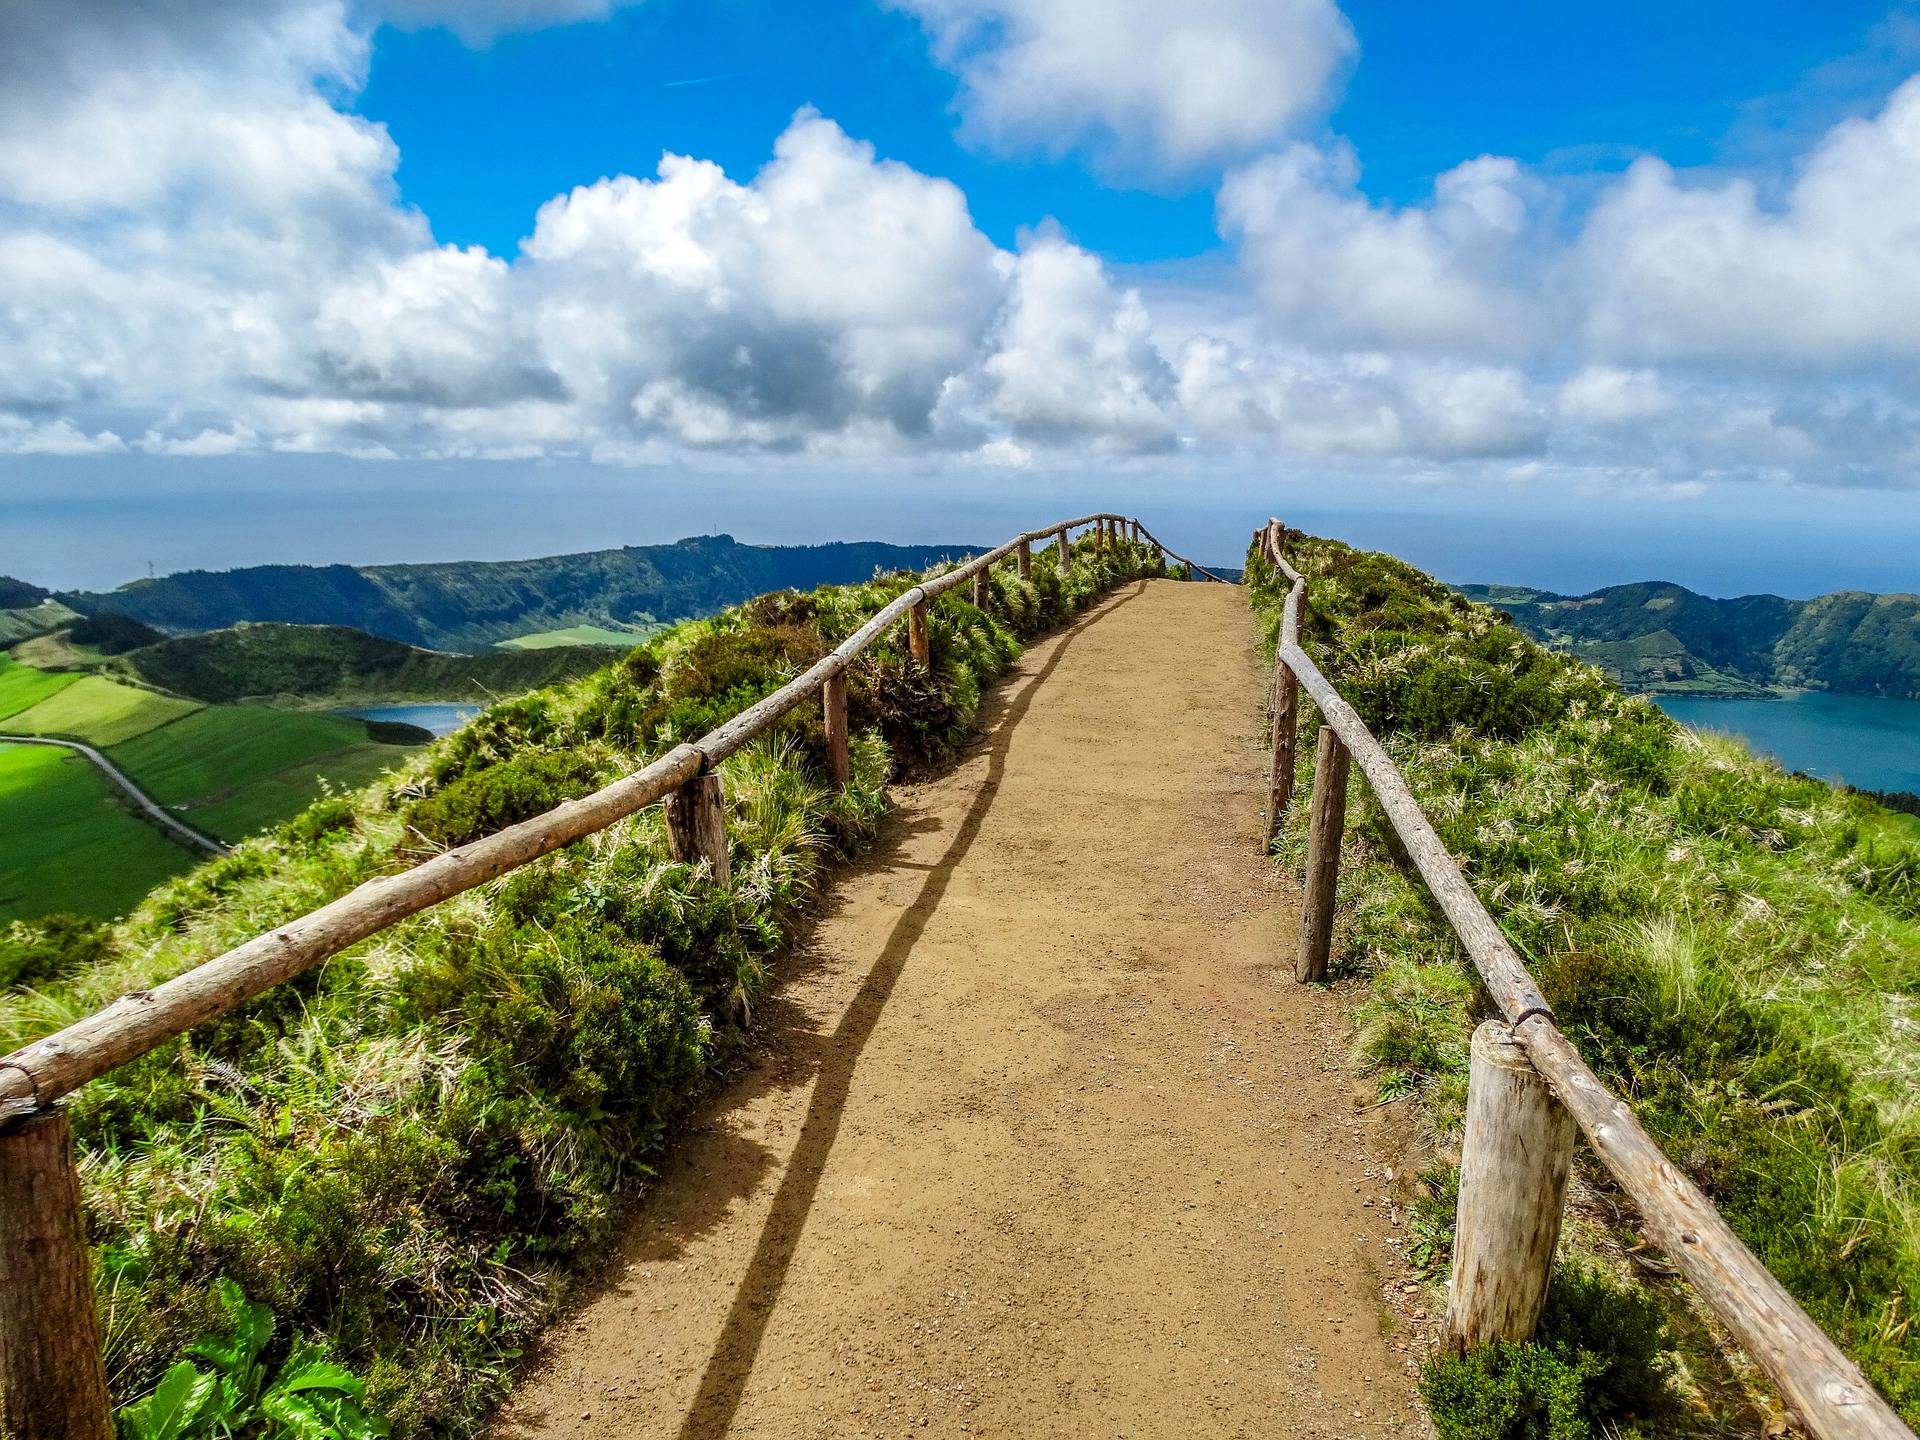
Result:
x=1286 y=735
x=1064 y=548
x=52 y=1383
x=919 y=642
x=1323 y=855
x=833 y=711
x=697 y=825
x=1023 y=558
x=1100 y=536
x=981 y=588
x=1513 y=1191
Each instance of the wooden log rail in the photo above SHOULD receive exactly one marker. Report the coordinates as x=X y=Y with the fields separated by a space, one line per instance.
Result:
x=1513 y=1169
x=50 y=1371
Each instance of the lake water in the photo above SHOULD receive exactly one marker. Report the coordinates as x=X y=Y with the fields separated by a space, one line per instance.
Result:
x=440 y=719
x=1866 y=740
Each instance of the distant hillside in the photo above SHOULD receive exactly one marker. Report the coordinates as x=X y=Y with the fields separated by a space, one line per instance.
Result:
x=272 y=661
x=471 y=605
x=18 y=594
x=1658 y=636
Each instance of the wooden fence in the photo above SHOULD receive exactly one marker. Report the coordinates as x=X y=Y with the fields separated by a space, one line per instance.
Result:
x=52 y=1382
x=1526 y=1080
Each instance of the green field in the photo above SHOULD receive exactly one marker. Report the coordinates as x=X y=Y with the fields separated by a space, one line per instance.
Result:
x=100 y=711
x=68 y=844
x=234 y=769
x=581 y=635
x=22 y=687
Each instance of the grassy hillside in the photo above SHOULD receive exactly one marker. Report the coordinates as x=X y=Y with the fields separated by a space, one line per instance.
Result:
x=476 y=604
x=99 y=711
x=69 y=845
x=406 y=1152
x=342 y=665
x=22 y=687
x=1735 y=948
x=1658 y=636
x=33 y=620
x=233 y=770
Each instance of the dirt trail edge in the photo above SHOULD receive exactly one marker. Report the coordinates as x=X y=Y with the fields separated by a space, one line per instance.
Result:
x=1043 y=1139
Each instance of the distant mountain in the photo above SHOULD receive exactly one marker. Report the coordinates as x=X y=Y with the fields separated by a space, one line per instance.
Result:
x=271 y=661
x=1659 y=636
x=471 y=605
x=18 y=594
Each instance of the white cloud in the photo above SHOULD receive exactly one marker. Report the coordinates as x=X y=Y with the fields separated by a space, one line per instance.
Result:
x=1829 y=277
x=1071 y=359
x=202 y=252
x=1145 y=81
x=479 y=21
x=1335 y=268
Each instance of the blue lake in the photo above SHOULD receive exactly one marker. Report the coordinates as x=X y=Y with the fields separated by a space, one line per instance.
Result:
x=440 y=719
x=1866 y=740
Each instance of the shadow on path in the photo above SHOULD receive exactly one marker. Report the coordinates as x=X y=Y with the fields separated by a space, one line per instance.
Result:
x=734 y=1353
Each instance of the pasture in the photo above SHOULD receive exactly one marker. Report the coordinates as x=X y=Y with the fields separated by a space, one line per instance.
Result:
x=22 y=687
x=233 y=769
x=581 y=635
x=100 y=711
x=68 y=845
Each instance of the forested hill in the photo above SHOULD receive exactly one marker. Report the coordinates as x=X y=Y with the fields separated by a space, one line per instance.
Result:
x=1658 y=636
x=470 y=605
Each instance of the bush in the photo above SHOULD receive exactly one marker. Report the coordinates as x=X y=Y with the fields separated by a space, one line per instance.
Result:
x=502 y=794
x=1598 y=1361
x=51 y=948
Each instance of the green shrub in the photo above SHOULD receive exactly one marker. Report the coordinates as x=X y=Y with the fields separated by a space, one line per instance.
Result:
x=51 y=948
x=483 y=801
x=1597 y=1363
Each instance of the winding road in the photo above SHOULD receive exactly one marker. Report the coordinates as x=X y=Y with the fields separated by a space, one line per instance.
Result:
x=145 y=803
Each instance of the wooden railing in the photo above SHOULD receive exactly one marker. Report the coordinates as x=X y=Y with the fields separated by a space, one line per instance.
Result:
x=1526 y=1079
x=51 y=1378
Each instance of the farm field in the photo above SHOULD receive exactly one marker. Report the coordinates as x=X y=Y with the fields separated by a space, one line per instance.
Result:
x=65 y=844
x=100 y=711
x=581 y=635
x=233 y=769
x=22 y=686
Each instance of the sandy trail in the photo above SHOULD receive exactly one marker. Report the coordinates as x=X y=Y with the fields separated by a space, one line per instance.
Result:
x=1043 y=1139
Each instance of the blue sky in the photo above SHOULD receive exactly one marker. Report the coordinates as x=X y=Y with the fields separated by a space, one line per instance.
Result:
x=487 y=134
x=1555 y=294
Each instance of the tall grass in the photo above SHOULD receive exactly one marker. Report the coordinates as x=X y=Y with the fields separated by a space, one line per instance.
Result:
x=404 y=1152
x=1736 y=950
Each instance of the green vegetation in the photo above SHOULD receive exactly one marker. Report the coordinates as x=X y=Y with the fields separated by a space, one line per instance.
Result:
x=99 y=711
x=1658 y=636
x=33 y=620
x=307 y=1398
x=1735 y=948
x=22 y=687
x=472 y=605
x=404 y=1153
x=582 y=635
x=112 y=634
x=341 y=666
x=232 y=770
x=69 y=844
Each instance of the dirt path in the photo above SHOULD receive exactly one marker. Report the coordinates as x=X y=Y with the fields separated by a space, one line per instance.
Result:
x=1044 y=1139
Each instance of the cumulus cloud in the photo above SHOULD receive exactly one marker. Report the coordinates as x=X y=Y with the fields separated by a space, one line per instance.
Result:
x=1336 y=268
x=203 y=253
x=1827 y=277
x=1171 y=85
